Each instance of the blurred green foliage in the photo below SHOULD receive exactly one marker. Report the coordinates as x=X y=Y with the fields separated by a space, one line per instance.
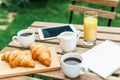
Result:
x=14 y=3
x=3 y=13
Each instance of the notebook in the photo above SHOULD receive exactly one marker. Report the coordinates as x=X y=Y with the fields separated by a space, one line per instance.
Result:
x=103 y=59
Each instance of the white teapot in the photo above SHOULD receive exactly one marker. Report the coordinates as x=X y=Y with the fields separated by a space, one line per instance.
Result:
x=68 y=40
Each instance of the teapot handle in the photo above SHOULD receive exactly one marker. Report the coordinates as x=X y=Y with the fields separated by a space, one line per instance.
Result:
x=78 y=34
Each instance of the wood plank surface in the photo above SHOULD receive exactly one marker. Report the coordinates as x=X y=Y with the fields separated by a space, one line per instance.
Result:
x=112 y=3
x=101 y=13
x=21 y=78
x=60 y=75
x=58 y=49
x=103 y=34
x=7 y=71
x=102 y=29
x=87 y=76
x=100 y=36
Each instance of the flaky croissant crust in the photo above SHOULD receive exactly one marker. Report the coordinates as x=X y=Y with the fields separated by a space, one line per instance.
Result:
x=18 y=58
x=41 y=53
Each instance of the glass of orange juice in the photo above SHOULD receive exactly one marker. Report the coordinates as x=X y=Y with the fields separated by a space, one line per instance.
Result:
x=90 y=27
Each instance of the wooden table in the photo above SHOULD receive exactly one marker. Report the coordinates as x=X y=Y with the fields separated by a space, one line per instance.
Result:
x=104 y=33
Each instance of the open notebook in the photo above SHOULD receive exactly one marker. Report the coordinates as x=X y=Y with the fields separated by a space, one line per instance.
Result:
x=103 y=59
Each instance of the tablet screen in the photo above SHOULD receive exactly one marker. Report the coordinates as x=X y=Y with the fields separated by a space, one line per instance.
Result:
x=55 y=31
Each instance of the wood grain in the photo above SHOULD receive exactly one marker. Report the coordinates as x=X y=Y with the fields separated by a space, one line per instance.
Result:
x=112 y=3
x=103 y=34
x=100 y=36
x=87 y=76
x=7 y=71
x=102 y=29
x=20 y=78
x=101 y=13
x=59 y=50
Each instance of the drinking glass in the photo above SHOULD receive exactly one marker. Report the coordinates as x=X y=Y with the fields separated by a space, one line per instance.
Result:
x=90 y=27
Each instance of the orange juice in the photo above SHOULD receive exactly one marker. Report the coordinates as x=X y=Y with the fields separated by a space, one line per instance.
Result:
x=90 y=29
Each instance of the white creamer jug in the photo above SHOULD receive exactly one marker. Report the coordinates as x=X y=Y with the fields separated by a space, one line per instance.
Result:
x=68 y=40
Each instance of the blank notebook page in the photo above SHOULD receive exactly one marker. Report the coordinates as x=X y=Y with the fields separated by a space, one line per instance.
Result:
x=103 y=59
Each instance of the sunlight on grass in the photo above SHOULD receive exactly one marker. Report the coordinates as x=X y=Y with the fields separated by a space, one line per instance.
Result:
x=3 y=13
x=3 y=22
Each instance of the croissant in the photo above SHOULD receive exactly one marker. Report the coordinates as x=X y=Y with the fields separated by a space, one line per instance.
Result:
x=18 y=58
x=41 y=53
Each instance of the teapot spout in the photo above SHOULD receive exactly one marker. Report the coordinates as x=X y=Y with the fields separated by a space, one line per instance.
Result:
x=59 y=37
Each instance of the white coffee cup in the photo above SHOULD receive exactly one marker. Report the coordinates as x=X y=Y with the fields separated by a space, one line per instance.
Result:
x=68 y=40
x=72 y=65
x=24 y=37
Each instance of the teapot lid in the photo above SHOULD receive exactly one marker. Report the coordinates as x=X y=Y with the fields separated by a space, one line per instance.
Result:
x=67 y=35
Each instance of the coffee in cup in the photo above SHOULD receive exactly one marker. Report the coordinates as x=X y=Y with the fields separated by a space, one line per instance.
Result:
x=72 y=61
x=24 y=38
x=72 y=65
x=26 y=34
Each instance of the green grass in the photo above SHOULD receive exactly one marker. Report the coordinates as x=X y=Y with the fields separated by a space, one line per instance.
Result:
x=44 y=78
x=3 y=22
x=3 y=13
x=40 y=77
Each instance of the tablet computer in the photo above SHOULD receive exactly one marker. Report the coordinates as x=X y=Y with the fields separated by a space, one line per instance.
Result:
x=53 y=31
